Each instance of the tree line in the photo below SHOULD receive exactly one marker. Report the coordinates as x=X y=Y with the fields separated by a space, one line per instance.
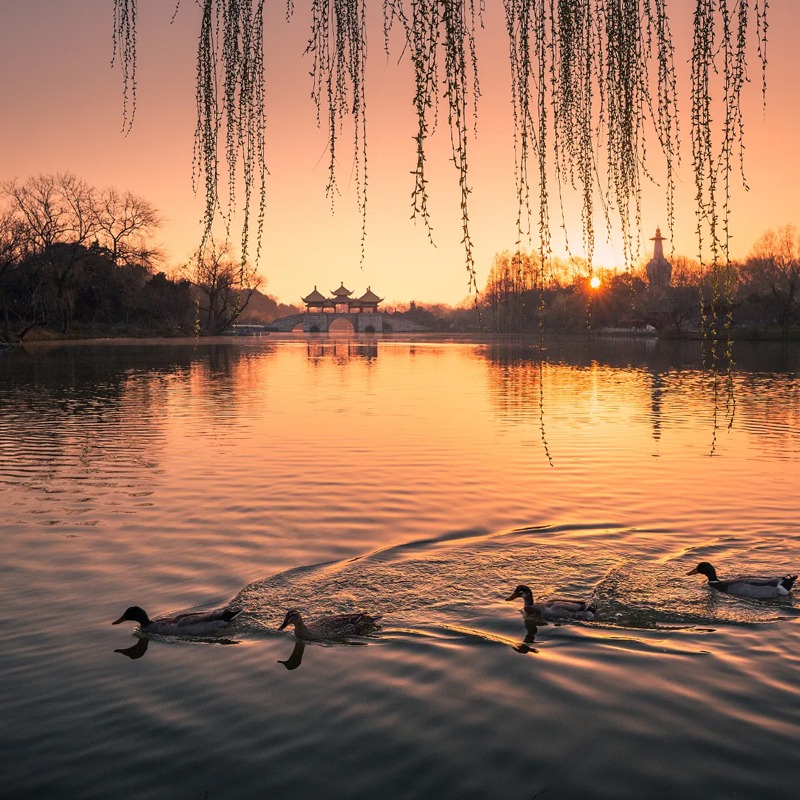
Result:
x=759 y=296
x=79 y=260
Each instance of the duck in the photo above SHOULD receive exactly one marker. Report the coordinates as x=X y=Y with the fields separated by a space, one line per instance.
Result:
x=557 y=608
x=332 y=627
x=754 y=586
x=193 y=623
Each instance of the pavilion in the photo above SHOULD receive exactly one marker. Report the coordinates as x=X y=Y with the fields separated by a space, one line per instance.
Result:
x=340 y=312
x=341 y=302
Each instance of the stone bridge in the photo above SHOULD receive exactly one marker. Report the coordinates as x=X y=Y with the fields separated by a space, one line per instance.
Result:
x=320 y=322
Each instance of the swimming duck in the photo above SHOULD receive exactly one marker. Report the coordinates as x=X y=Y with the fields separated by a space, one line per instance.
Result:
x=558 y=608
x=193 y=623
x=332 y=627
x=746 y=585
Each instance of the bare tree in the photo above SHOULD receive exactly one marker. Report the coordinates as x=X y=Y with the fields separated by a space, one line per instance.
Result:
x=225 y=286
x=58 y=213
x=125 y=223
x=13 y=248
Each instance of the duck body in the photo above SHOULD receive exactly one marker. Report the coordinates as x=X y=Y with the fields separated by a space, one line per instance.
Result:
x=193 y=623
x=557 y=608
x=331 y=628
x=753 y=586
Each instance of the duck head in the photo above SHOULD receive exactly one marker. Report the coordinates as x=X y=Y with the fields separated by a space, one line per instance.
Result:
x=522 y=591
x=292 y=618
x=133 y=614
x=704 y=568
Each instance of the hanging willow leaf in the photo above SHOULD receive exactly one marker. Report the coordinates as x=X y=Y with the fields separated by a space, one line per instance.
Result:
x=124 y=42
x=593 y=87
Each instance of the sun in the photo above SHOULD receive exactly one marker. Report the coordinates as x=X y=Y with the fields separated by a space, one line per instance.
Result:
x=594 y=282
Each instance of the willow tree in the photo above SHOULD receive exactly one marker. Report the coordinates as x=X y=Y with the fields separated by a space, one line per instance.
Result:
x=594 y=100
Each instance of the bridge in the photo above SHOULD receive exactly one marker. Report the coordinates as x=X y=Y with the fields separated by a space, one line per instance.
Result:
x=320 y=322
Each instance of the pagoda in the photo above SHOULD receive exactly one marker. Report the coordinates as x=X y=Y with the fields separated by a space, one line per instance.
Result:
x=342 y=302
x=316 y=301
x=658 y=303
x=368 y=302
x=659 y=270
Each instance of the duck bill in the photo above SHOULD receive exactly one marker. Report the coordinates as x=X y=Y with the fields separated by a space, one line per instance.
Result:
x=117 y=621
x=693 y=572
x=512 y=597
x=286 y=622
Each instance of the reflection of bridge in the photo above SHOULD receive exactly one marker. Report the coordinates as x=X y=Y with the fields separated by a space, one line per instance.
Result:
x=321 y=321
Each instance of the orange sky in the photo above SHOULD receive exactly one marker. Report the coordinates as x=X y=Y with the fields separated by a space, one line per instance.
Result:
x=62 y=111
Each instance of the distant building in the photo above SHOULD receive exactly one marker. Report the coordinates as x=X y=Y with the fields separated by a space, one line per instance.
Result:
x=659 y=270
x=369 y=301
x=316 y=301
x=340 y=312
x=340 y=302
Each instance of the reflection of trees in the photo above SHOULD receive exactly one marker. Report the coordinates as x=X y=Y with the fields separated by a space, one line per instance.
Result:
x=97 y=415
x=84 y=412
x=515 y=377
x=563 y=379
x=227 y=379
x=774 y=397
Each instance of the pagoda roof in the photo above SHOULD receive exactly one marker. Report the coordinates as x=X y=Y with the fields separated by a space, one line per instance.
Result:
x=370 y=297
x=315 y=298
x=342 y=292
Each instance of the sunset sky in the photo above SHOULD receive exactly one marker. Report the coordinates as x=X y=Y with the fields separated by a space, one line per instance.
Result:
x=62 y=111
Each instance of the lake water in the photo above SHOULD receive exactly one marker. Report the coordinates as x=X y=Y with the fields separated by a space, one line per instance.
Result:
x=419 y=479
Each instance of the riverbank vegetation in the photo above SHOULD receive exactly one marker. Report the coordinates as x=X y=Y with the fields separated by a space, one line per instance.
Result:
x=77 y=261
x=758 y=297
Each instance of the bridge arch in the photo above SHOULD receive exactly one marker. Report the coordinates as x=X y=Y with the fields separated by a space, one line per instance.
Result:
x=322 y=322
x=341 y=324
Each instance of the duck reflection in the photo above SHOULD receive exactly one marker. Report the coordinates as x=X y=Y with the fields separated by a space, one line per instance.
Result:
x=296 y=658
x=140 y=648
x=530 y=637
x=135 y=650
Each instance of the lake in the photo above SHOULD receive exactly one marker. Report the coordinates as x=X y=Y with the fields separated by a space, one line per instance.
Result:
x=422 y=479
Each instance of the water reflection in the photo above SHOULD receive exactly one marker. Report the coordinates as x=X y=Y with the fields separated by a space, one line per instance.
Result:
x=596 y=381
x=296 y=658
x=86 y=420
x=139 y=649
x=341 y=350
x=439 y=586
x=232 y=466
x=531 y=629
x=135 y=650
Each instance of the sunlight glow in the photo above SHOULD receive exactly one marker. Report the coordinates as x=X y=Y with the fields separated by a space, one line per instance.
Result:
x=594 y=282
